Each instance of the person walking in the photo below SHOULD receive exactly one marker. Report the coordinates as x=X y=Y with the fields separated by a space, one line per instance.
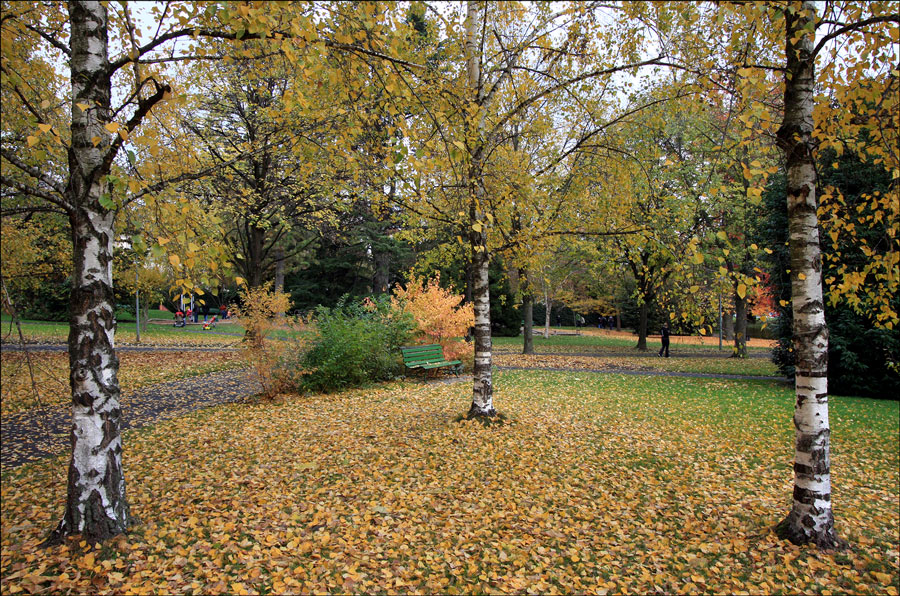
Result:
x=665 y=340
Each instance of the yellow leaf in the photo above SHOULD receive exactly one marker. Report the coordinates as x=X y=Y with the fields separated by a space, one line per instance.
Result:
x=742 y=291
x=174 y=260
x=82 y=106
x=477 y=227
x=801 y=276
x=240 y=281
x=96 y=140
x=112 y=126
x=123 y=134
x=162 y=241
x=32 y=141
x=698 y=258
x=89 y=560
x=721 y=235
x=45 y=127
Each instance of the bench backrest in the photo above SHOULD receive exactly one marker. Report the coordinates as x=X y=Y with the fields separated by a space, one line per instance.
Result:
x=421 y=354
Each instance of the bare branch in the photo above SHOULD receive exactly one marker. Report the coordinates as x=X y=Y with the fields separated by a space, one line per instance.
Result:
x=32 y=171
x=894 y=18
x=34 y=192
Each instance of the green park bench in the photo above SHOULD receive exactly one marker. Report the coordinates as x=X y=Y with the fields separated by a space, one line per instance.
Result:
x=427 y=358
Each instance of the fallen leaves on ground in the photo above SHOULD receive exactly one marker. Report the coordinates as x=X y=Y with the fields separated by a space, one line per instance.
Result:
x=715 y=365
x=136 y=369
x=600 y=483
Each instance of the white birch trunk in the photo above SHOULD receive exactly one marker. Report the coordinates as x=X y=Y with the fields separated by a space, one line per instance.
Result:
x=96 y=507
x=482 y=386
x=811 y=518
x=547 y=307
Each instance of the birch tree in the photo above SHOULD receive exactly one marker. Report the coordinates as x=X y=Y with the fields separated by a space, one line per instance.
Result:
x=102 y=46
x=867 y=40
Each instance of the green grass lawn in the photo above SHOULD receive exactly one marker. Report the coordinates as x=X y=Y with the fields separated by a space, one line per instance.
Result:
x=126 y=333
x=599 y=483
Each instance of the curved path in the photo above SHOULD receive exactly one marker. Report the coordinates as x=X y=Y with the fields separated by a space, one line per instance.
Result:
x=127 y=348
x=36 y=434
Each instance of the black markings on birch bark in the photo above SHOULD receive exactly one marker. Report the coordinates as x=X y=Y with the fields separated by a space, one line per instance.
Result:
x=811 y=518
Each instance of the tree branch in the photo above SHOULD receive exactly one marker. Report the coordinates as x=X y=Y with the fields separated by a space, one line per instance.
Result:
x=34 y=192
x=894 y=18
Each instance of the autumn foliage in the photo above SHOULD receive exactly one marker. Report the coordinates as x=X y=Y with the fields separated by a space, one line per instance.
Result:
x=259 y=313
x=439 y=314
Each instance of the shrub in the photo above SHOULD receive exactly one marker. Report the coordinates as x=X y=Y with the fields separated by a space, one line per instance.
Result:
x=439 y=317
x=354 y=344
x=260 y=312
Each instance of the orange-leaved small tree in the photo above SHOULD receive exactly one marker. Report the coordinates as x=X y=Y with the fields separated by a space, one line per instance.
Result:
x=439 y=313
x=260 y=312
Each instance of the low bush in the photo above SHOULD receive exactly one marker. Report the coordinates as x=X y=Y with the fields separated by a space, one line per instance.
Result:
x=354 y=345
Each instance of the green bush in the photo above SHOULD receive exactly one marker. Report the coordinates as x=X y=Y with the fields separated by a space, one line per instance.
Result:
x=355 y=344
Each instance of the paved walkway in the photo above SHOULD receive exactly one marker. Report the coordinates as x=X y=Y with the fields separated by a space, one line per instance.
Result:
x=33 y=435
x=126 y=348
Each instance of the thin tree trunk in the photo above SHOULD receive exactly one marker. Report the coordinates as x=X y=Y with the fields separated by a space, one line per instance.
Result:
x=528 y=327
x=548 y=307
x=642 y=327
x=279 y=269
x=740 y=327
x=811 y=518
x=96 y=506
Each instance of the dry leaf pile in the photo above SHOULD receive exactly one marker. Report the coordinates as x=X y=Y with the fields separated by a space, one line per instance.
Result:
x=598 y=483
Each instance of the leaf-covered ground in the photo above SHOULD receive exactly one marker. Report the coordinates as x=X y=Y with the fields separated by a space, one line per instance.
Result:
x=708 y=365
x=136 y=369
x=620 y=342
x=600 y=483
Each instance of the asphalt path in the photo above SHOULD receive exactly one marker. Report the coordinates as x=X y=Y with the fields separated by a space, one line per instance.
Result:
x=36 y=434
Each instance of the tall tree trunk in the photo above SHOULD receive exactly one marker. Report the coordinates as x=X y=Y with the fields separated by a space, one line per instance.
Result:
x=527 y=313
x=482 y=386
x=740 y=327
x=254 y=259
x=96 y=506
x=382 y=264
x=642 y=327
x=811 y=518
x=548 y=307
x=728 y=325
